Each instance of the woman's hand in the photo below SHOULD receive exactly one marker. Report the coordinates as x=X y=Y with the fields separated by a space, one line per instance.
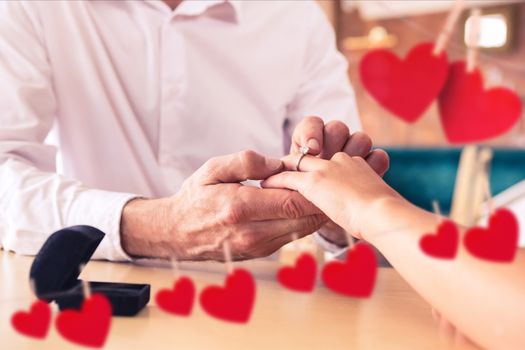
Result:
x=324 y=140
x=345 y=188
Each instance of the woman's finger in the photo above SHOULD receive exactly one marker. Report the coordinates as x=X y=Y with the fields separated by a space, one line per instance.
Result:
x=308 y=162
x=291 y=180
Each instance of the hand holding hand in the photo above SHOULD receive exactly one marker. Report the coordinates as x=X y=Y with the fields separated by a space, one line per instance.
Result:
x=325 y=140
x=212 y=207
x=345 y=188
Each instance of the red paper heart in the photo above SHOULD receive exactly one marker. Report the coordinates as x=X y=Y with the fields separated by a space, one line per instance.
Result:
x=34 y=323
x=300 y=277
x=234 y=301
x=179 y=300
x=356 y=276
x=444 y=244
x=88 y=327
x=498 y=242
x=469 y=113
x=405 y=87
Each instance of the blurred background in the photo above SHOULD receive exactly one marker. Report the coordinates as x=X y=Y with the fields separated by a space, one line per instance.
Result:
x=399 y=25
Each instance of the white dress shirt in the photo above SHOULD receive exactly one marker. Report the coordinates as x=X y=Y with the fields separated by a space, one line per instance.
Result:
x=140 y=96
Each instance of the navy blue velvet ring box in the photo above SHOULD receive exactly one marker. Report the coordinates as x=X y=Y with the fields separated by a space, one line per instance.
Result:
x=56 y=268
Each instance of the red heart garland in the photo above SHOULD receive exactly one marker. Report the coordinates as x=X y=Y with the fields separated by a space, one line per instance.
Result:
x=300 y=277
x=356 y=276
x=405 y=87
x=498 y=242
x=34 y=323
x=179 y=300
x=469 y=113
x=444 y=244
x=88 y=327
x=234 y=301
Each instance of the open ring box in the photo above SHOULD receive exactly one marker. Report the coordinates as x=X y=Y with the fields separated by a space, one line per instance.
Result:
x=56 y=269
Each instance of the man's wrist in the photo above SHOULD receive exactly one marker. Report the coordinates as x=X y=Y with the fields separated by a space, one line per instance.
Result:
x=144 y=228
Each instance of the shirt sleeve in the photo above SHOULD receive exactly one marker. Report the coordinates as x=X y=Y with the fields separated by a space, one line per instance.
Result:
x=35 y=201
x=325 y=89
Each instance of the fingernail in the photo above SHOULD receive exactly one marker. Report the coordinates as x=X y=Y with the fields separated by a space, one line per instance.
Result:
x=313 y=144
x=274 y=164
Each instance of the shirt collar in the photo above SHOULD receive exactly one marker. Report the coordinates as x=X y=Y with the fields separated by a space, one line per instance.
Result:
x=227 y=10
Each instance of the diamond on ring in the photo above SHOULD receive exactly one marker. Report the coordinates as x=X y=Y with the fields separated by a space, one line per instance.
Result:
x=303 y=150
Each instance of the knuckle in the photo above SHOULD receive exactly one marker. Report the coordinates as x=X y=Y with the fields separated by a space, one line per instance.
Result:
x=363 y=140
x=359 y=160
x=340 y=156
x=291 y=206
x=249 y=240
x=248 y=154
x=245 y=241
x=250 y=160
x=232 y=214
x=313 y=119
x=315 y=176
x=210 y=165
x=337 y=126
x=204 y=172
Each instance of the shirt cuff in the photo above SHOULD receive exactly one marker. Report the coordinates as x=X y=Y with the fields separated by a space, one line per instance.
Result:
x=103 y=210
x=328 y=246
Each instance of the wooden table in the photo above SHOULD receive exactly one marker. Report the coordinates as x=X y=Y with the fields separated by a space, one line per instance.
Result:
x=395 y=317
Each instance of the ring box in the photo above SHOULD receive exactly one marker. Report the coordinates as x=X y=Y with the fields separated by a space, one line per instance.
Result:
x=56 y=268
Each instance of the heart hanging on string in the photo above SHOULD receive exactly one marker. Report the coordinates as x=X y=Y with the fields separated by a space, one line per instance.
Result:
x=34 y=323
x=300 y=277
x=469 y=113
x=179 y=300
x=405 y=87
x=233 y=302
x=498 y=242
x=89 y=326
x=356 y=276
x=443 y=244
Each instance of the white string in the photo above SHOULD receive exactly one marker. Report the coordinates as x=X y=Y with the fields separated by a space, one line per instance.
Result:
x=85 y=284
x=174 y=267
x=437 y=210
x=227 y=256
x=452 y=18
x=459 y=48
x=488 y=193
x=295 y=244
x=473 y=40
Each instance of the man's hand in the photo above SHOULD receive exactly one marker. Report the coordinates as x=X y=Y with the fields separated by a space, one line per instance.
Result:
x=213 y=207
x=325 y=140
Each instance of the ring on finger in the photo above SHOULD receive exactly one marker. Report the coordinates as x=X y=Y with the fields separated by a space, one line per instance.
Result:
x=304 y=151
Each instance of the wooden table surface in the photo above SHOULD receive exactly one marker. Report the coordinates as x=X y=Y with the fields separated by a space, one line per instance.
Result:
x=395 y=317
